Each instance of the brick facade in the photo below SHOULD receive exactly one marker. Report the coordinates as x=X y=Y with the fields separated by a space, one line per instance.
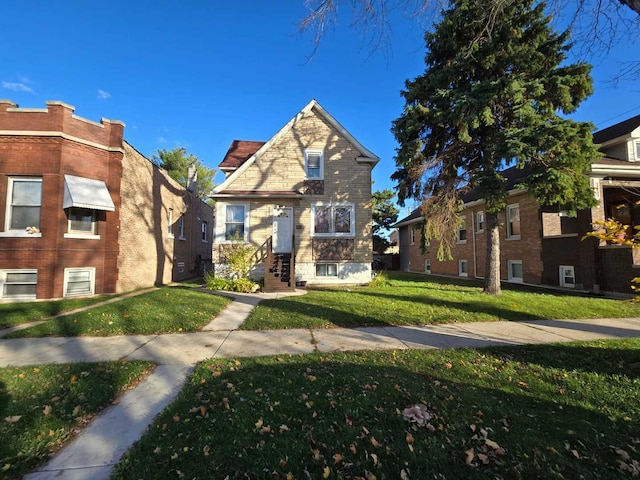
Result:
x=47 y=144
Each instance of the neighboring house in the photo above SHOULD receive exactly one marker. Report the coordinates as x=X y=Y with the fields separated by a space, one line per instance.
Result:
x=81 y=212
x=544 y=246
x=303 y=199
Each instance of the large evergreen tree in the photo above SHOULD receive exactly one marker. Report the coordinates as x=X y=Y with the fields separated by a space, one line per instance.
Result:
x=489 y=99
x=384 y=214
x=177 y=162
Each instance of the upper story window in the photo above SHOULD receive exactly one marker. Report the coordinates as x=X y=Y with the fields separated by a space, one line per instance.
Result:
x=24 y=200
x=203 y=232
x=462 y=231
x=170 y=223
x=314 y=164
x=333 y=220
x=513 y=221
x=81 y=221
x=181 y=227
x=638 y=150
x=479 y=222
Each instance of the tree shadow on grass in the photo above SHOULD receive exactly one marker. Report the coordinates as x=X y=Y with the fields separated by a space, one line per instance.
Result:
x=304 y=414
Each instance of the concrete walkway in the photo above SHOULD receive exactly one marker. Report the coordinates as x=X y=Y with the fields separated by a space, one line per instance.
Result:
x=100 y=446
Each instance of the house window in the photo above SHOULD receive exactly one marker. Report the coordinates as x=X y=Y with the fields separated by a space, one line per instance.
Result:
x=181 y=227
x=513 y=221
x=463 y=268
x=314 y=164
x=326 y=269
x=462 y=231
x=412 y=235
x=79 y=281
x=333 y=220
x=514 y=270
x=18 y=283
x=81 y=221
x=234 y=223
x=638 y=151
x=24 y=202
x=479 y=222
x=427 y=265
x=567 y=276
x=203 y=231
x=170 y=223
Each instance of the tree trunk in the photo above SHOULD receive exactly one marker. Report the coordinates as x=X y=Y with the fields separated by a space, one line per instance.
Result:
x=492 y=266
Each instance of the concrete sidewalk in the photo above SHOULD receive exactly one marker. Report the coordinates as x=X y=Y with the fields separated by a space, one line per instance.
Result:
x=99 y=447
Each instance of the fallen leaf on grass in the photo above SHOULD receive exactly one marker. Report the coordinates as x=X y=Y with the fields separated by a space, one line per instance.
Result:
x=47 y=410
x=470 y=455
x=326 y=472
x=337 y=458
x=369 y=476
x=374 y=442
x=404 y=475
x=12 y=418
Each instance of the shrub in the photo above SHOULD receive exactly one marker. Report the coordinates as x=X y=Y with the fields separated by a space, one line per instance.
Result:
x=216 y=283
x=380 y=280
x=243 y=285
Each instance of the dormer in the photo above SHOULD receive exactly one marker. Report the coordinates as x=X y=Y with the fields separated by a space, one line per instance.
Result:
x=620 y=141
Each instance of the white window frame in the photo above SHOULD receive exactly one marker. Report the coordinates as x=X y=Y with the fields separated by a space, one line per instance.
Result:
x=8 y=231
x=93 y=234
x=326 y=265
x=170 y=223
x=92 y=281
x=427 y=265
x=3 y=282
x=221 y=221
x=203 y=232
x=332 y=233
x=480 y=221
x=462 y=227
x=412 y=234
x=563 y=273
x=637 y=150
x=313 y=151
x=463 y=268
x=510 y=276
x=181 y=228
x=510 y=221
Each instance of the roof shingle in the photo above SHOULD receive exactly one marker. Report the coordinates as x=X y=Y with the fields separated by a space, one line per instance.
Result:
x=239 y=152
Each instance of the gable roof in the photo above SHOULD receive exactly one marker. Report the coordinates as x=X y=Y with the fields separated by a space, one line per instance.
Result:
x=618 y=130
x=239 y=152
x=366 y=155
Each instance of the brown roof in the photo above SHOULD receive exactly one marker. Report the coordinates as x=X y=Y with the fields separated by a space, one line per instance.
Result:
x=617 y=130
x=239 y=152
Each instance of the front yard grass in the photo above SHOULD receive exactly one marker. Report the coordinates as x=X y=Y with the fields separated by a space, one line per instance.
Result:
x=538 y=411
x=21 y=312
x=41 y=407
x=413 y=299
x=167 y=310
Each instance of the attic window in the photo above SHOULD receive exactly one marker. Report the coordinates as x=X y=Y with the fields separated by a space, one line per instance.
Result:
x=314 y=164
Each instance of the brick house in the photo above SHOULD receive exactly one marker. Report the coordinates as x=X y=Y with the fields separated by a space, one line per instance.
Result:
x=82 y=212
x=544 y=246
x=303 y=199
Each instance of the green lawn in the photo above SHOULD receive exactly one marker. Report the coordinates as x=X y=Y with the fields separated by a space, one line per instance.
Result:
x=167 y=310
x=15 y=313
x=42 y=406
x=541 y=411
x=420 y=299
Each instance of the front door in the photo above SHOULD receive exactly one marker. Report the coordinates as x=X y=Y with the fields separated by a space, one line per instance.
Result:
x=282 y=229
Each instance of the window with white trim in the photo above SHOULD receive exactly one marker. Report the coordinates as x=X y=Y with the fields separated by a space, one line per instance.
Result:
x=24 y=201
x=480 y=222
x=79 y=281
x=513 y=221
x=326 y=269
x=333 y=220
x=462 y=230
x=412 y=235
x=81 y=221
x=181 y=227
x=637 y=150
x=427 y=265
x=567 y=276
x=234 y=222
x=18 y=284
x=514 y=271
x=170 y=223
x=314 y=164
x=463 y=268
x=203 y=232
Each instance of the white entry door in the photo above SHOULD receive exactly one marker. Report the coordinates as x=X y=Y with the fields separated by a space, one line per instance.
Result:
x=282 y=229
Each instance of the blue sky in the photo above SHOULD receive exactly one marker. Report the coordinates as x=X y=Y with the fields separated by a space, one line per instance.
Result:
x=199 y=74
